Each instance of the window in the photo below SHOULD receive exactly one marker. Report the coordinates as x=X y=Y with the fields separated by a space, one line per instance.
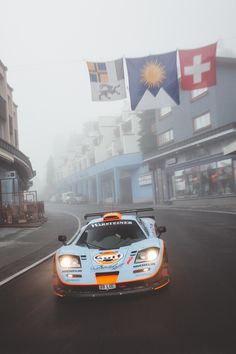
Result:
x=11 y=125
x=164 y=111
x=202 y=121
x=179 y=183
x=165 y=137
x=198 y=92
x=214 y=178
x=225 y=184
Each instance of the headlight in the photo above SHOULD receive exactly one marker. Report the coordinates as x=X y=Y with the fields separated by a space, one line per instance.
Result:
x=147 y=255
x=68 y=261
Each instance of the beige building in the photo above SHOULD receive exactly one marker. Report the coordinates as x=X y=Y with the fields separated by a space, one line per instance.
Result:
x=15 y=168
x=8 y=110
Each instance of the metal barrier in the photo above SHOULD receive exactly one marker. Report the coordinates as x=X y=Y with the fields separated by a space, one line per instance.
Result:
x=21 y=208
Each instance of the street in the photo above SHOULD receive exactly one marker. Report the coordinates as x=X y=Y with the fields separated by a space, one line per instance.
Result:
x=194 y=314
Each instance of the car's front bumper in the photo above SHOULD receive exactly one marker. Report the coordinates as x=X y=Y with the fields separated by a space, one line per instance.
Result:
x=62 y=290
x=154 y=283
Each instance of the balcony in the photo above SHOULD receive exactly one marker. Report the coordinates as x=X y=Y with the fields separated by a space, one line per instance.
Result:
x=15 y=159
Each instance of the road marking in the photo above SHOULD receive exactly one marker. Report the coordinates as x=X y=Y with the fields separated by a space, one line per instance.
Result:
x=24 y=270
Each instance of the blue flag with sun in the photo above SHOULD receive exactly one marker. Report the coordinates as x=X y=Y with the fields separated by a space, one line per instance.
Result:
x=153 y=81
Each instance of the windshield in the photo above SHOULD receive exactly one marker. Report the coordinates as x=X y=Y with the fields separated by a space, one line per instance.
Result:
x=111 y=235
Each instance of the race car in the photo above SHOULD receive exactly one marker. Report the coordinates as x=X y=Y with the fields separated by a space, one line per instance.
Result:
x=114 y=254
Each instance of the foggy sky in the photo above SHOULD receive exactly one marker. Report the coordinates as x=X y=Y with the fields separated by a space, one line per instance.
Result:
x=45 y=45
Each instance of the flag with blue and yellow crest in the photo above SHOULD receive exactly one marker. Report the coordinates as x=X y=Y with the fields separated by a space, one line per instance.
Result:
x=153 y=81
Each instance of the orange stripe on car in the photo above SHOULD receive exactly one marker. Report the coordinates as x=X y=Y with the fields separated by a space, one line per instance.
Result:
x=162 y=286
x=106 y=279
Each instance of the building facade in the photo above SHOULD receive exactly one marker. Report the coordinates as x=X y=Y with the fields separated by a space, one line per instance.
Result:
x=194 y=151
x=15 y=168
x=188 y=151
x=107 y=163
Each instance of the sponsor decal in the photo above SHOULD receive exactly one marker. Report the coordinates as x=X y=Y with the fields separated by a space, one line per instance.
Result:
x=100 y=224
x=108 y=257
x=129 y=260
x=144 y=265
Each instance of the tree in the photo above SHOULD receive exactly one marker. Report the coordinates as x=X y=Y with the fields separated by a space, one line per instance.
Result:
x=50 y=177
x=148 y=133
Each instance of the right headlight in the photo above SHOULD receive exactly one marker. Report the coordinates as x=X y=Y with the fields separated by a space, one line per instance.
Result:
x=147 y=255
x=69 y=261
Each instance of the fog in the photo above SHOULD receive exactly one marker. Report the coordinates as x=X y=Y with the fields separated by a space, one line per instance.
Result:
x=45 y=45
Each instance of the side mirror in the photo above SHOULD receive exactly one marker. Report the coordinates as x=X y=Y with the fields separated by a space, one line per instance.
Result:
x=62 y=238
x=160 y=230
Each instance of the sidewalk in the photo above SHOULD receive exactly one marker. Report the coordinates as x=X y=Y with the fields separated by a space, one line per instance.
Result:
x=211 y=204
x=24 y=225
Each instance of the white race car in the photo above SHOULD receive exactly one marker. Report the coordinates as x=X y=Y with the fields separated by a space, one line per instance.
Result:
x=118 y=253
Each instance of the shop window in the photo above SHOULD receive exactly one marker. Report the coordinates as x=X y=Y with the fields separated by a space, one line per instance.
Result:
x=180 y=183
x=202 y=122
x=216 y=178
x=166 y=137
x=235 y=175
x=225 y=184
x=6 y=191
x=208 y=175
x=192 y=181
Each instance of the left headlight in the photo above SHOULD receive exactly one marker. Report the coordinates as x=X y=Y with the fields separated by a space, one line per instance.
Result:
x=68 y=261
x=147 y=255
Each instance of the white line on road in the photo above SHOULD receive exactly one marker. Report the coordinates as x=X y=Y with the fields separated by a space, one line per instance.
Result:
x=24 y=270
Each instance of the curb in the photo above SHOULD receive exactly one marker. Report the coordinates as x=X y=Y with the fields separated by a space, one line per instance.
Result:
x=25 y=225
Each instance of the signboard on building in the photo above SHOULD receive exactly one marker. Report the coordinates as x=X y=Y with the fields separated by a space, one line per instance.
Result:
x=171 y=161
x=7 y=174
x=145 y=180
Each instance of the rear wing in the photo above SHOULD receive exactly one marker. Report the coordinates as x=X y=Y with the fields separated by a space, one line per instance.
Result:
x=123 y=211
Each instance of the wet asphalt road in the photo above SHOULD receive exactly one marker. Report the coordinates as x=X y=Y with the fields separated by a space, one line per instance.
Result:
x=196 y=313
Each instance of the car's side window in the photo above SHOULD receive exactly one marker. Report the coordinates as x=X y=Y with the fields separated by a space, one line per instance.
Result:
x=143 y=226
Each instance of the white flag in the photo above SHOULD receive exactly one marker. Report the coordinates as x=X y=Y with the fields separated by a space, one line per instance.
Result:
x=107 y=80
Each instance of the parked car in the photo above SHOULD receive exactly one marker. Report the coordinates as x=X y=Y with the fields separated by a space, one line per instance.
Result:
x=72 y=198
x=66 y=197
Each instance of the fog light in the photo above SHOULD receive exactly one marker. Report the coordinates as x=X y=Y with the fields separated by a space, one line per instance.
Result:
x=143 y=270
x=70 y=276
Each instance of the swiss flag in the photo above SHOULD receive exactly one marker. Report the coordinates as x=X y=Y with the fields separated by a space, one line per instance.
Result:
x=198 y=67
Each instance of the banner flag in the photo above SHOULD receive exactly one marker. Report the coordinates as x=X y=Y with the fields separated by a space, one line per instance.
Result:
x=198 y=67
x=153 y=81
x=107 y=80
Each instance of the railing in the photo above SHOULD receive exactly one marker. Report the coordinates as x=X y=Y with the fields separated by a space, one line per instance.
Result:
x=20 y=208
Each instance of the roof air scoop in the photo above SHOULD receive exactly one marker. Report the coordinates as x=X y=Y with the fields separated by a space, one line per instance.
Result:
x=112 y=216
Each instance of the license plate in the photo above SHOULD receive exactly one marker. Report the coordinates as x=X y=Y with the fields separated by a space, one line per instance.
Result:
x=107 y=286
